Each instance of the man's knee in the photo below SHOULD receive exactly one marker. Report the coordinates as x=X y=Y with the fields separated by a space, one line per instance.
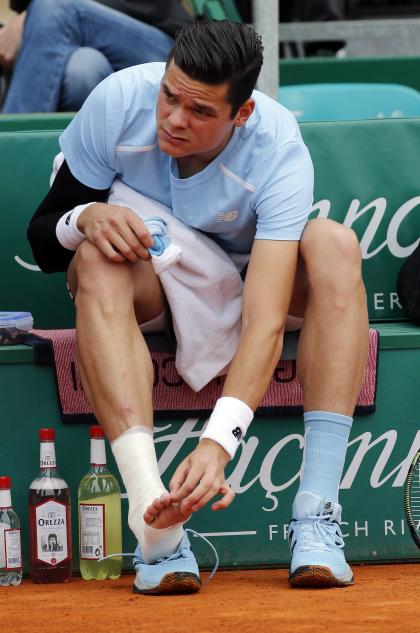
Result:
x=326 y=240
x=332 y=256
x=94 y=273
x=114 y=287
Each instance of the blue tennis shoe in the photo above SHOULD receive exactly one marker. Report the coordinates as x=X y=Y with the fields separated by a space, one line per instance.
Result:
x=177 y=573
x=316 y=544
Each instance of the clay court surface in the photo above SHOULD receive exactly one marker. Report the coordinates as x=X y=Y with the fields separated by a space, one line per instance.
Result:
x=385 y=598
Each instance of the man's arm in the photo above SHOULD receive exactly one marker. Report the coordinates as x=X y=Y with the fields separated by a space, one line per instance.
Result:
x=72 y=212
x=66 y=193
x=267 y=293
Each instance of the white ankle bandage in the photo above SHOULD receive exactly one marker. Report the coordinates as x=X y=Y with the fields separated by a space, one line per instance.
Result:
x=228 y=423
x=66 y=230
x=134 y=452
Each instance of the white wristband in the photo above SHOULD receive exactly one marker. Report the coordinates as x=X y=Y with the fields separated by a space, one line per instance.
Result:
x=66 y=230
x=228 y=423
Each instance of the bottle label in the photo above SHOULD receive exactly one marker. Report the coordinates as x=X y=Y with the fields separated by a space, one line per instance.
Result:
x=51 y=532
x=97 y=452
x=12 y=549
x=5 y=499
x=47 y=455
x=3 y=528
x=92 y=531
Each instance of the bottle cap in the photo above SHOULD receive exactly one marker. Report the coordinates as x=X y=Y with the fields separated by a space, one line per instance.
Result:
x=46 y=435
x=5 y=483
x=96 y=432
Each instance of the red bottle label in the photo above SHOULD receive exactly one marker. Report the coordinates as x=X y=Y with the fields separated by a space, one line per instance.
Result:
x=51 y=520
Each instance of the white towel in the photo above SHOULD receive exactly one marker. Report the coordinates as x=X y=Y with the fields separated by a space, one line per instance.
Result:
x=203 y=289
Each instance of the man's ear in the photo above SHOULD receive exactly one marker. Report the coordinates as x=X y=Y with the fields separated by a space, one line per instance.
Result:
x=244 y=112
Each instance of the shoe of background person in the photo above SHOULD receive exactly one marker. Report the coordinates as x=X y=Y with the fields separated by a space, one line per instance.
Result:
x=316 y=544
x=177 y=573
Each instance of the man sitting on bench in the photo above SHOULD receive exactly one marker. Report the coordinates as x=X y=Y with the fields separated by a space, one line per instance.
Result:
x=229 y=162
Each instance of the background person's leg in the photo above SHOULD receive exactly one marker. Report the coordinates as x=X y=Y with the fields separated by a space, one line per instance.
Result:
x=54 y=29
x=46 y=46
x=85 y=69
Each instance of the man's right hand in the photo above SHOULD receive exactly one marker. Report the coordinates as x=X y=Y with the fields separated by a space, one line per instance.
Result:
x=116 y=231
x=11 y=40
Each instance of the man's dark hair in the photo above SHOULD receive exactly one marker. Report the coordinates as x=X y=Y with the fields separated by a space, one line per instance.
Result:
x=219 y=51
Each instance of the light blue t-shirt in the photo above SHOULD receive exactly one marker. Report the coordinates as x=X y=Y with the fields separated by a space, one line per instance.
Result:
x=259 y=187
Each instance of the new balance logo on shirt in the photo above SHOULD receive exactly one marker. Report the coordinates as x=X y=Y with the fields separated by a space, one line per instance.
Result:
x=227 y=216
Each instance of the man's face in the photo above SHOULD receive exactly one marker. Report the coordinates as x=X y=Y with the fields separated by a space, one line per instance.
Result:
x=193 y=118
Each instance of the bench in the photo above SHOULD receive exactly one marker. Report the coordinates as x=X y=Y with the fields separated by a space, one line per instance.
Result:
x=28 y=122
x=398 y=70
x=366 y=178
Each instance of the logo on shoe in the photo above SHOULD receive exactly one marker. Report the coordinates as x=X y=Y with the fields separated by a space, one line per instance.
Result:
x=237 y=433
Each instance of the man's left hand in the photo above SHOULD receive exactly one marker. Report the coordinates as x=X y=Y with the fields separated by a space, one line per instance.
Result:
x=200 y=477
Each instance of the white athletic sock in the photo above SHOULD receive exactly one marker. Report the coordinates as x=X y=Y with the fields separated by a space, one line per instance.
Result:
x=134 y=452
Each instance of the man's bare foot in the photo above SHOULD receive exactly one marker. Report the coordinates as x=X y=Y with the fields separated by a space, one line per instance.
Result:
x=162 y=513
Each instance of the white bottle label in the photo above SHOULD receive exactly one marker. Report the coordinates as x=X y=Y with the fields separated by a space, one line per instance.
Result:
x=51 y=532
x=97 y=452
x=5 y=499
x=3 y=528
x=92 y=531
x=47 y=455
x=13 y=549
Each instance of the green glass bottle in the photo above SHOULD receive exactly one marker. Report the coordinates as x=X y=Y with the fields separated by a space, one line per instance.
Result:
x=99 y=501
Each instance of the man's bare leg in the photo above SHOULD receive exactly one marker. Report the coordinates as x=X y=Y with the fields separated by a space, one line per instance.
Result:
x=114 y=361
x=330 y=294
x=333 y=347
x=331 y=362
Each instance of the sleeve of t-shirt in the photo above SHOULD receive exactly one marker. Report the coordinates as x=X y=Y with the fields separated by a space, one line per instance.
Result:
x=89 y=142
x=284 y=200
